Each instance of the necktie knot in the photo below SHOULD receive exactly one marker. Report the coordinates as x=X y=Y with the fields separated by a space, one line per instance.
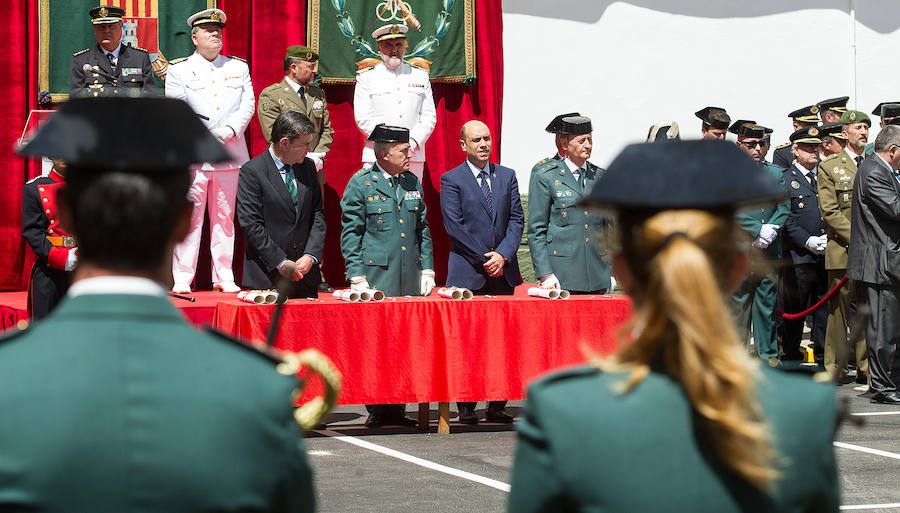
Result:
x=858 y=160
x=111 y=60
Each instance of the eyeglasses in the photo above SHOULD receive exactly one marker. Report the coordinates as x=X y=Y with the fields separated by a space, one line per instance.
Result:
x=751 y=144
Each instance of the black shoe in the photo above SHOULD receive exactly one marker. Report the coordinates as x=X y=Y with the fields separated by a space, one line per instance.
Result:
x=400 y=420
x=326 y=288
x=499 y=416
x=885 y=398
x=861 y=378
x=467 y=416
x=374 y=421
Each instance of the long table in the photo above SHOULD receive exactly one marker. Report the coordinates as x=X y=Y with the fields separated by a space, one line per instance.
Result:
x=430 y=349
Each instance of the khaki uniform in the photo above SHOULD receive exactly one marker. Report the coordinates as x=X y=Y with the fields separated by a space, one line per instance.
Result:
x=835 y=178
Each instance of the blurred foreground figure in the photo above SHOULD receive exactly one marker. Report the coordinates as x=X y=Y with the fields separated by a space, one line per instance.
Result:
x=114 y=402
x=681 y=405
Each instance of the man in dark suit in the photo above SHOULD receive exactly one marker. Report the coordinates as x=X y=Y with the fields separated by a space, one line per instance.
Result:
x=168 y=417
x=874 y=261
x=280 y=210
x=117 y=69
x=483 y=217
x=804 y=282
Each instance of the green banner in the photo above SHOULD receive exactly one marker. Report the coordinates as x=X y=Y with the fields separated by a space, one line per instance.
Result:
x=158 y=26
x=441 y=36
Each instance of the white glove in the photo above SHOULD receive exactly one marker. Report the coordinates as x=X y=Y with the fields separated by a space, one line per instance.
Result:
x=72 y=259
x=760 y=242
x=549 y=281
x=413 y=146
x=222 y=133
x=359 y=283
x=612 y=283
x=817 y=244
x=317 y=159
x=768 y=232
x=427 y=281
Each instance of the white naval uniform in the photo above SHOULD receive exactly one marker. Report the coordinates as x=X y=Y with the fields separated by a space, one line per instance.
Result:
x=221 y=91
x=401 y=97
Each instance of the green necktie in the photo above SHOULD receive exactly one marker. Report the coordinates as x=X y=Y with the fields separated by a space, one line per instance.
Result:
x=395 y=183
x=289 y=181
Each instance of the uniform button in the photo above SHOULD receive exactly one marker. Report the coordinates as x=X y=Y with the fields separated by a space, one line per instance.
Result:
x=402 y=234
x=215 y=94
x=48 y=211
x=399 y=101
x=403 y=248
x=554 y=251
x=45 y=200
x=51 y=231
x=41 y=189
x=401 y=115
x=585 y=227
x=763 y=221
x=587 y=239
x=585 y=212
x=379 y=210
x=370 y=261
x=401 y=221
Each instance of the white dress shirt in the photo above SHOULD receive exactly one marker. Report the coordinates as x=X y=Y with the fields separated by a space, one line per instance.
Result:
x=477 y=171
x=116 y=285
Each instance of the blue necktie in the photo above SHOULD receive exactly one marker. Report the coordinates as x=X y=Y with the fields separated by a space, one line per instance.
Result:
x=486 y=190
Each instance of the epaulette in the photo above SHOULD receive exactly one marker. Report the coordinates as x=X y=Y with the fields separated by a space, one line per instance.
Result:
x=360 y=172
x=139 y=48
x=176 y=61
x=20 y=329
x=420 y=67
x=79 y=52
x=785 y=145
x=574 y=372
x=315 y=91
x=363 y=70
x=550 y=164
x=833 y=156
x=237 y=58
x=257 y=350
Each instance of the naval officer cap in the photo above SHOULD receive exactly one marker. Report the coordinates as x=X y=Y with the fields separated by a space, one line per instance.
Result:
x=855 y=116
x=303 y=53
x=806 y=135
x=392 y=31
x=706 y=175
x=389 y=134
x=104 y=14
x=715 y=117
x=214 y=16
x=144 y=135
x=808 y=114
x=575 y=125
x=877 y=110
x=836 y=104
x=835 y=129
x=556 y=124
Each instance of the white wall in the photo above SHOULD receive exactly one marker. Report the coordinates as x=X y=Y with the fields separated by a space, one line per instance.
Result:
x=629 y=64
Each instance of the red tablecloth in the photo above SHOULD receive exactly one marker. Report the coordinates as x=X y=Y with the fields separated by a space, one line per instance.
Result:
x=407 y=350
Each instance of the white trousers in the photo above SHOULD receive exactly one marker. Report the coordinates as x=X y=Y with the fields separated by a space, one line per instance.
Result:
x=416 y=168
x=218 y=191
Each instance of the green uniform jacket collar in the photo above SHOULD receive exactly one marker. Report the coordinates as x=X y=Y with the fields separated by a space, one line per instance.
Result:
x=117 y=305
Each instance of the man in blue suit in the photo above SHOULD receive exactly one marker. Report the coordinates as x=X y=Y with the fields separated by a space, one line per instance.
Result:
x=483 y=217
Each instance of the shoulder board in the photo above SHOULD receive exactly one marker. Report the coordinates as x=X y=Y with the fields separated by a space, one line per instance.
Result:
x=419 y=67
x=595 y=167
x=176 y=61
x=36 y=178
x=249 y=348
x=363 y=70
x=361 y=172
x=550 y=164
x=236 y=58
x=315 y=91
x=138 y=48
x=574 y=372
x=785 y=145
x=20 y=329
x=273 y=87
x=833 y=156
x=79 y=52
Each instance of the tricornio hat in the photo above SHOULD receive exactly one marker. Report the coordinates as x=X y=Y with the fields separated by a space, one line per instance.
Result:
x=389 y=134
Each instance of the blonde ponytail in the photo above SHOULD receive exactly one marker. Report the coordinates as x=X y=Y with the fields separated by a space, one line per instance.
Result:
x=681 y=261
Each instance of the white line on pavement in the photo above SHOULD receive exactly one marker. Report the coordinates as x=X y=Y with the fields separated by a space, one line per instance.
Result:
x=499 y=485
x=872 y=413
x=860 y=448
x=873 y=506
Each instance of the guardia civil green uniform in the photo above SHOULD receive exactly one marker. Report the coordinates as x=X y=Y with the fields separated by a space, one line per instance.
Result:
x=565 y=239
x=755 y=298
x=115 y=402
x=584 y=445
x=553 y=127
x=385 y=234
x=835 y=176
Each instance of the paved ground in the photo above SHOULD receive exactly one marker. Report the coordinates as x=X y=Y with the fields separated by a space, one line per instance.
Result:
x=352 y=478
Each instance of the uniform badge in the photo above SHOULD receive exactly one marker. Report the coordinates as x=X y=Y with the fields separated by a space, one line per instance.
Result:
x=563 y=214
x=568 y=193
x=368 y=183
x=371 y=198
x=795 y=184
x=318 y=104
x=556 y=183
x=846 y=197
x=383 y=198
x=380 y=220
x=412 y=195
x=800 y=205
x=558 y=194
x=130 y=71
x=265 y=107
x=280 y=101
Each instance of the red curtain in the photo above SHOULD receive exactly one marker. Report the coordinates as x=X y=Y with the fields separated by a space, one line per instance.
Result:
x=260 y=31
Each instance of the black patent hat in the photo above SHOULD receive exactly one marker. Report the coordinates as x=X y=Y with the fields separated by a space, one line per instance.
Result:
x=389 y=134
